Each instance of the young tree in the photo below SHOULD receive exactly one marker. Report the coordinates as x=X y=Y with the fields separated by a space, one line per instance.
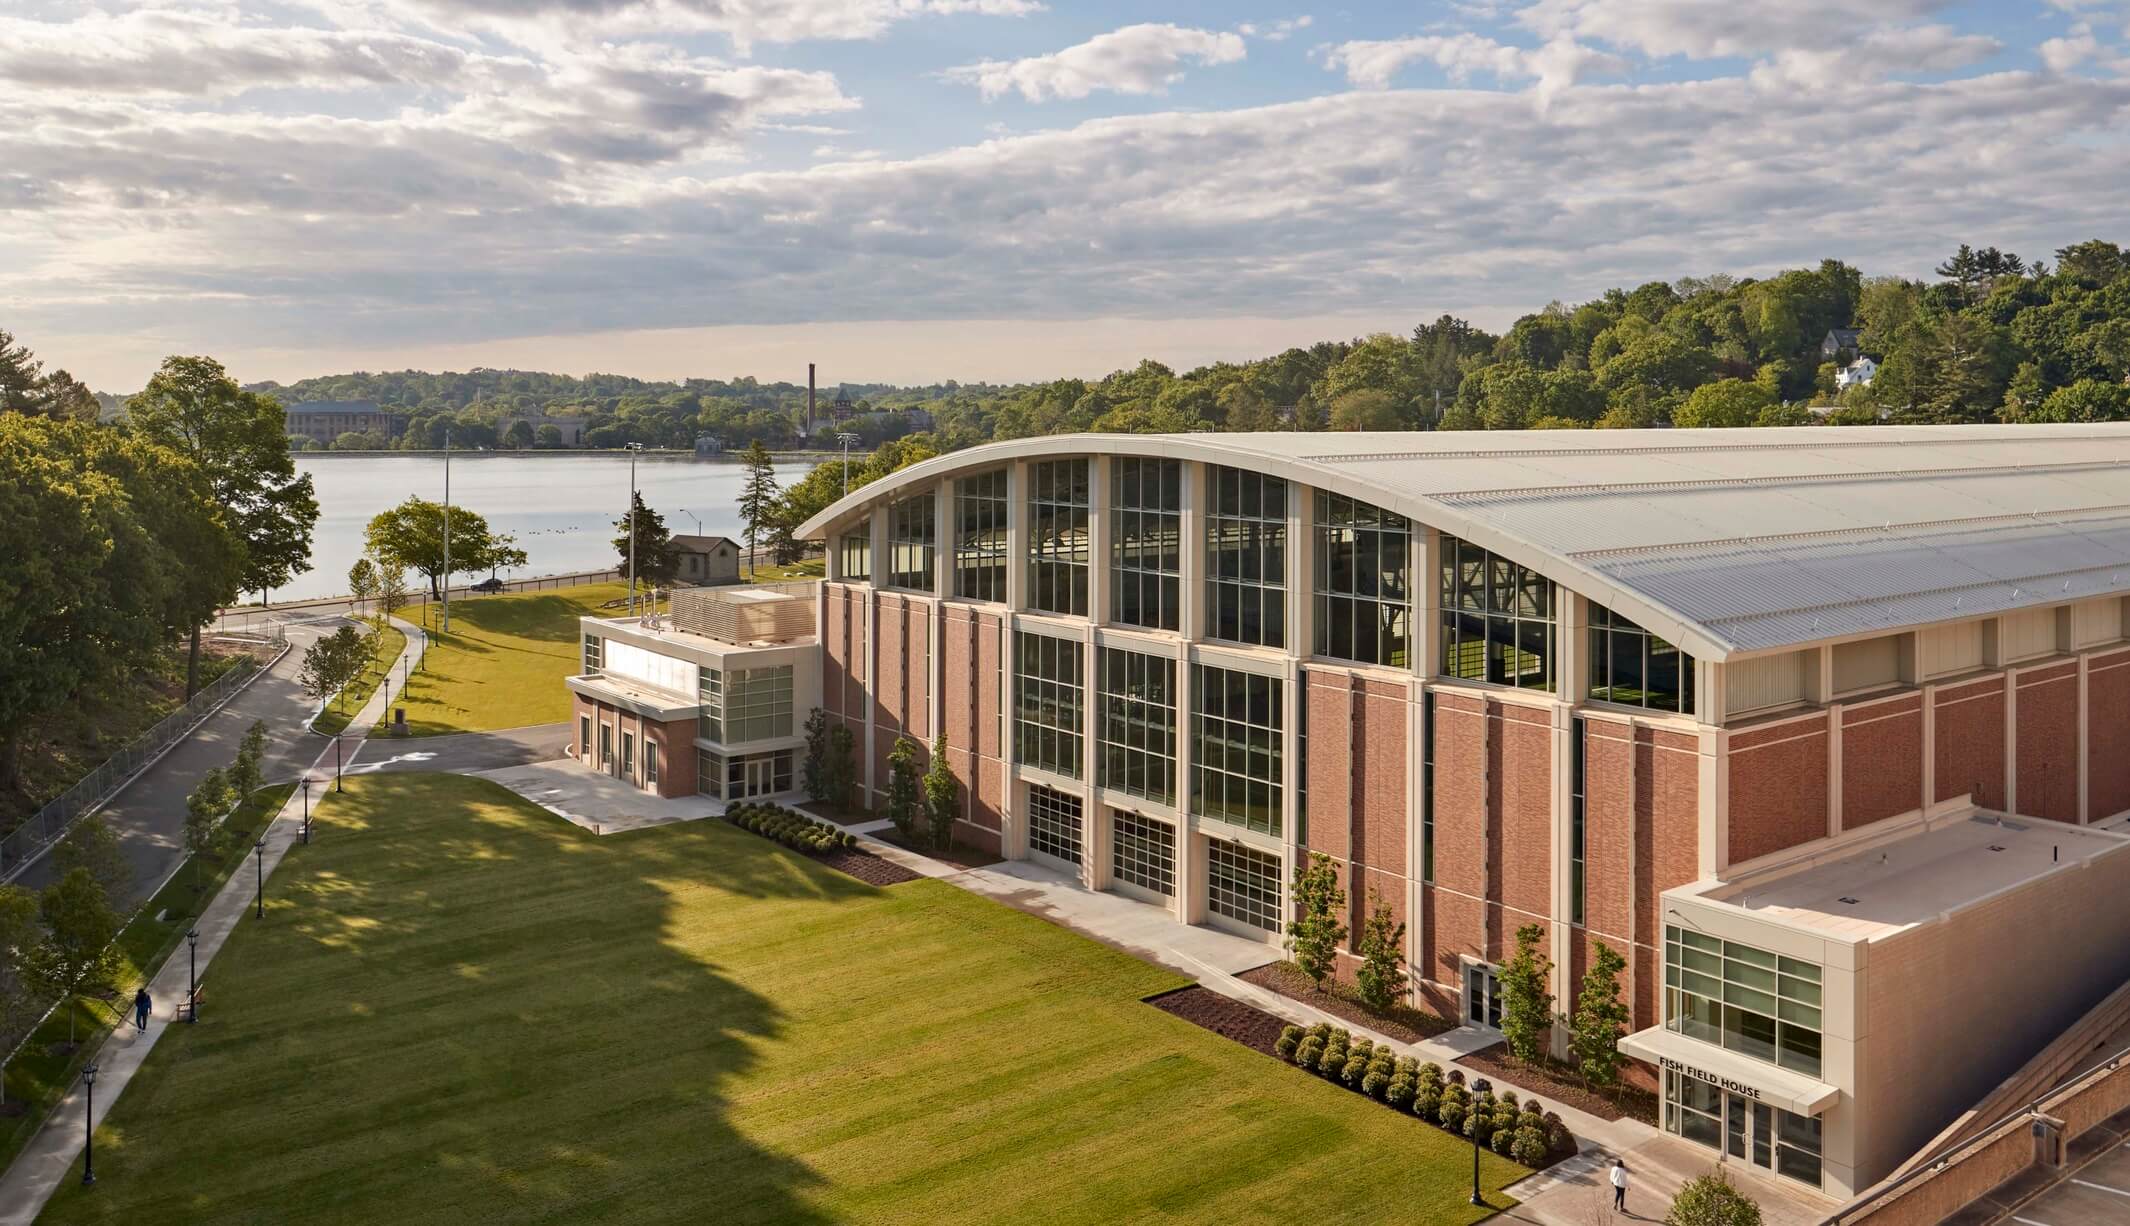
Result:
x=942 y=795
x=657 y=557
x=192 y=406
x=1526 y=1004
x=21 y=1005
x=332 y=662
x=391 y=588
x=411 y=535
x=75 y=957
x=1601 y=1017
x=362 y=582
x=1710 y=1200
x=758 y=498
x=245 y=774
x=1313 y=935
x=93 y=845
x=842 y=765
x=904 y=796
x=1381 y=977
x=816 y=769
x=204 y=809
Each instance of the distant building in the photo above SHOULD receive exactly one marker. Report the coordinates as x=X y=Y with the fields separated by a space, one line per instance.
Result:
x=571 y=428
x=1856 y=374
x=709 y=444
x=1839 y=341
x=707 y=560
x=323 y=421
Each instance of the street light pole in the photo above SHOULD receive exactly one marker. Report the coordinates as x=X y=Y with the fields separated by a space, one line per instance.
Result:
x=697 y=518
x=846 y=438
x=88 y=1128
x=1479 y=1087
x=306 y=810
x=447 y=530
x=192 y=977
x=260 y=859
x=336 y=763
x=633 y=449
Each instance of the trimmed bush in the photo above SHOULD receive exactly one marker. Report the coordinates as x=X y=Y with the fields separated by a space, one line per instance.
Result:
x=1427 y=1102
x=1530 y=1147
x=1289 y=1039
x=1373 y=1083
x=1501 y=1140
x=1356 y=1069
x=1456 y=1076
x=1406 y=1067
x=1710 y=1200
x=1558 y=1139
x=1430 y=1075
x=1399 y=1093
x=1308 y=1052
x=1454 y=1106
x=1322 y=1030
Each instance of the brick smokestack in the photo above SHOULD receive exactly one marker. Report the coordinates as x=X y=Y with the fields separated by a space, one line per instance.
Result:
x=809 y=401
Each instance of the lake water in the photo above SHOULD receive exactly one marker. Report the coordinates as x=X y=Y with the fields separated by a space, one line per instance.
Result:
x=560 y=506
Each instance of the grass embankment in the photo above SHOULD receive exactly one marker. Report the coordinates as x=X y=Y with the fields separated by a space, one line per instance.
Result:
x=809 y=568
x=385 y=645
x=461 y=1009
x=503 y=663
x=47 y=1066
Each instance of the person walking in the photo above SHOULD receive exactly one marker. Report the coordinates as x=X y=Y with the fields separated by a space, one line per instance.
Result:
x=1619 y=1185
x=141 y=1006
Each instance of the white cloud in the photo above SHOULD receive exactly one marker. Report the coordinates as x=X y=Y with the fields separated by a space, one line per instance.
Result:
x=1699 y=29
x=1555 y=66
x=562 y=23
x=2064 y=54
x=1278 y=31
x=1140 y=59
x=1874 y=53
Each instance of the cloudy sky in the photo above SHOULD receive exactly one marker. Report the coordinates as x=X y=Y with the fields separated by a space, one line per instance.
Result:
x=923 y=189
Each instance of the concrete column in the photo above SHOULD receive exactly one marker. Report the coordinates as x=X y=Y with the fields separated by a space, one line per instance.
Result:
x=1715 y=802
x=943 y=539
x=1190 y=857
x=1098 y=543
x=1094 y=843
x=871 y=656
x=1834 y=769
x=1191 y=585
x=1017 y=535
x=1930 y=751
x=1190 y=874
x=1291 y=697
x=1301 y=572
x=2085 y=729
x=1427 y=602
x=1571 y=670
x=2011 y=741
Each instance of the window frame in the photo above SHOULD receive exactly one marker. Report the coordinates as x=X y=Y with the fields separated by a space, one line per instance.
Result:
x=981 y=549
x=1049 y=709
x=1239 y=527
x=1146 y=542
x=1214 y=725
x=1136 y=728
x=1480 y=587
x=913 y=543
x=1060 y=552
x=1355 y=542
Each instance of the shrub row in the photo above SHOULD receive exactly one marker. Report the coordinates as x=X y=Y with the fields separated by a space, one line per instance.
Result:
x=1513 y=1129
x=789 y=826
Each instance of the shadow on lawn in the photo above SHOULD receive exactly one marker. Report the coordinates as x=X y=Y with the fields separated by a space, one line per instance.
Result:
x=462 y=1008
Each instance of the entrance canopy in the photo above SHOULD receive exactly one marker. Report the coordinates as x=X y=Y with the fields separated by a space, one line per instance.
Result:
x=1727 y=1070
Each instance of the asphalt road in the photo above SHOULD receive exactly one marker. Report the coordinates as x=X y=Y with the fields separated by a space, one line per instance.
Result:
x=464 y=752
x=149 y=815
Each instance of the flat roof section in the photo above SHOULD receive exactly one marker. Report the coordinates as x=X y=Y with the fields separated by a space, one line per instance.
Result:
x=1951 y=865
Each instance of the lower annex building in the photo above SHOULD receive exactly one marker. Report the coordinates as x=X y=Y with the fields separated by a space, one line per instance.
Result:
x=1815 y=727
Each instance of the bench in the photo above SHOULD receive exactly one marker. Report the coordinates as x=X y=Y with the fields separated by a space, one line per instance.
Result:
x=186 y=1008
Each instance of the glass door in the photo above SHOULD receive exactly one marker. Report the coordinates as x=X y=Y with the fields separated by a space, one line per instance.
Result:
x=1734 y=1129
x=1763 y=1136
x=761 y=776
x=1482 y=997
x=628 y=755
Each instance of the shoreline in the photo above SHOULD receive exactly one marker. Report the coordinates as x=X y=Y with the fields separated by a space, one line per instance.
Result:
x=646 y=453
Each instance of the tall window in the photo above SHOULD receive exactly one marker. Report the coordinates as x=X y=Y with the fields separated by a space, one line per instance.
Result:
x=1630 y=665
x=1138 y=728
x=1363 y=599
x=1057 y=537
x=912 y=543
x=1497 y=619
x=1236 y=770
x=1427 y=787
x=855 y=554
x=1576 y=809
x=758 y=704
x=1246 y=558
x=1146 y=542
x=710 y=692
x=980 y=536
x=593 y=651
x=1048 y=711
x=1745 y=999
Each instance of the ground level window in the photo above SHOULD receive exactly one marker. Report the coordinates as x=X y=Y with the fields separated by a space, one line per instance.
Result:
x=709 y=773
x=650 y=762
x=1054 y=824
x=1243 y=884
x=584 y=734
x=1142 y=853
x=1482 y=996
x=1742 y=1128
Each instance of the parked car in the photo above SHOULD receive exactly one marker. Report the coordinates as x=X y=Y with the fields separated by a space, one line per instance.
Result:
x=488 y=585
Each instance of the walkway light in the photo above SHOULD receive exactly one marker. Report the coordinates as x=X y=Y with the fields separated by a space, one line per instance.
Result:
x=88 y=1127
x=259 y=859
x=1479 y=1087
x=192 y=977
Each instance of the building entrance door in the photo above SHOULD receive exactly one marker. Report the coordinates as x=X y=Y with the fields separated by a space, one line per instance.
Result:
x=760 y=778
x=1482 y=996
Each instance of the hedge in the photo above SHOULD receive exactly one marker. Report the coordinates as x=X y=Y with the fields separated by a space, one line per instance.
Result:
x=1515 y=1128
x=789 y=826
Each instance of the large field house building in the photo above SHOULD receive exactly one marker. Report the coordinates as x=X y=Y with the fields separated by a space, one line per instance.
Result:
x=1826 y=731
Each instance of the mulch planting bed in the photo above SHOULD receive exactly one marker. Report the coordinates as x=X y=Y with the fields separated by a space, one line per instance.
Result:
x=1561 y=1084
x=1223 y=1015
x=961 y=855
x=864 y=865
x=1403 y=1023
x=836 y=813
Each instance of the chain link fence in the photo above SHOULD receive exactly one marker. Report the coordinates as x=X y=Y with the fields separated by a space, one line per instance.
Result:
x=48 y=824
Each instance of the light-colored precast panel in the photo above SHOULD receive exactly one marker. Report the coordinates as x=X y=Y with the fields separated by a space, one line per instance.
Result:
x=2026 y=634
x=1867 y=664
x=2096 y=621
x=1767 y=682
x=1950 y=650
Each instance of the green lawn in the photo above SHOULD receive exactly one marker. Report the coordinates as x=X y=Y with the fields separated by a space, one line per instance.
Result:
x=55 y=1053
x=462 y=1009
x=503 y=663
x=385 y=646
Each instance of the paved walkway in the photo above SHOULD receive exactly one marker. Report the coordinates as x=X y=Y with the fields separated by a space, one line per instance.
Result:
x=464 y=753
x=148 y=815
x=599 y=803
x=50 y=1155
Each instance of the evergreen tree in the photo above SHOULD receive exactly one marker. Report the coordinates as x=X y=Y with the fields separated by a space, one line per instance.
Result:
x=842 y=765
x=1313 y=935
x=657 y=557
x=905 y=793
x=1601 y=1017
x=1526 y=1004
x=815 y=771
x=758 y=499
x=942 y=795
x=1381 y=977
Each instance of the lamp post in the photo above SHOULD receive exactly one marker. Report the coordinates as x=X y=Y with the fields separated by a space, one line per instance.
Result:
x=846 y=438
x=88 y=1127
x=259 y=859
x=192 y=977
x=691 y=515
x=306 y=810
x=336 y=763
x=447 y=531
x=1479 y=1087
x=633 y=449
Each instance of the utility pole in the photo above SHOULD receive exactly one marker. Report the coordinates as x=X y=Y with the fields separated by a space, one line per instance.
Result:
x=633 y=448
x=809 y=401
x=447 y=530
x=846 y=438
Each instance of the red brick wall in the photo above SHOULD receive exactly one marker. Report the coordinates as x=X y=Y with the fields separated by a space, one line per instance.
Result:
x=1968 y=739
x=676 y=755
x=1609 y=821
x=1379 y=776
x=2108 y=735
x=842 y=648
x=1882 y=760
x=2048 y=742
x=1357 y=797
x=969 y=705
x=1524 y=813
x=902 y=696
x=1778 y=781
x=1330 y=766
x=1668 y=800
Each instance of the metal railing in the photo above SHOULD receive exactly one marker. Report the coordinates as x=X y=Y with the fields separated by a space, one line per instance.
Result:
x=48 y=824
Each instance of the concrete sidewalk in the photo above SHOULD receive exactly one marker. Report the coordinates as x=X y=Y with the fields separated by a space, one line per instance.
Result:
x=50 y=1155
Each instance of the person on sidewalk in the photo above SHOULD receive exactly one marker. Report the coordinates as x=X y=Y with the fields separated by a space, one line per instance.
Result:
x=1619 y=1185
x=141 y=1006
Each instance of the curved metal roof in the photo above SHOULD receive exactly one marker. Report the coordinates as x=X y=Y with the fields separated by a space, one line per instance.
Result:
x=1726 y=542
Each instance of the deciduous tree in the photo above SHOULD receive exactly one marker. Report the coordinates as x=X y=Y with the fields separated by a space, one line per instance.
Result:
x=1380 y=978
x=412 y=535
x=75 y=956
x=1314 y=933
x=1601 y=1017
x=1526 y=1003
x=21 y=1004
x=905 y=791
x=204 y=809
x=92 y=845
